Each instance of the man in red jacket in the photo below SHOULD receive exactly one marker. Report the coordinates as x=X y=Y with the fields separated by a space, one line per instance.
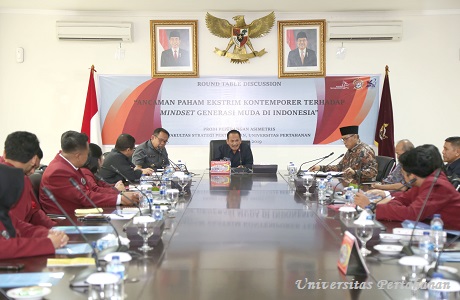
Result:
x=422 y=166
x=66 y=165
x=21 y=151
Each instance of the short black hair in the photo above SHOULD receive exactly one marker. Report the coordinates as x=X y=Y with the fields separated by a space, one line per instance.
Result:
x=95 y=153
x=72 y=141
x=21 y=146
x=454 y=140
x=233 y=131
x=40 y=153
x=125 y=141
x=422 y=160
x=157 y=131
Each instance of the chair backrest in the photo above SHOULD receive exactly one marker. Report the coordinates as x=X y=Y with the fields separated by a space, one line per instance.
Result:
x=215 y=144
x=35 y=179
x=385 y=164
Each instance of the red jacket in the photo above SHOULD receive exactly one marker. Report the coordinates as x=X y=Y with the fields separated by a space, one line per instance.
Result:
x=444 y=200
x=56 y=179
x=98 y=185
x=21 y=246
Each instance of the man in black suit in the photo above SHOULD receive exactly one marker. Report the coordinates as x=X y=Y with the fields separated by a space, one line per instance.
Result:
x=238 y=153
x=301 y=56
x=175 y=56
x=120 y=158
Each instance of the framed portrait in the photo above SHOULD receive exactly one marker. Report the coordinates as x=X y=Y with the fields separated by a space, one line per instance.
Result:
x=301 y=48
x=174 y=48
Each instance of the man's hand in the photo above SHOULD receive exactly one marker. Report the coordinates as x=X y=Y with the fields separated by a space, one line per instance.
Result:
x=361 y=200
x=120 y=186
x=349 y=172
x=58 y=238
x=134 y=197
x=314 y=169
x=147 y=171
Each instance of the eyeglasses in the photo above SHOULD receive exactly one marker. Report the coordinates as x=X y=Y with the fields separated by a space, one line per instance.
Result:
x=344 y=139
x=162 y=140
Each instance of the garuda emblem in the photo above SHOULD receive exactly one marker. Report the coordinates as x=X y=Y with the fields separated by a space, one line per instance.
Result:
x=240 y=35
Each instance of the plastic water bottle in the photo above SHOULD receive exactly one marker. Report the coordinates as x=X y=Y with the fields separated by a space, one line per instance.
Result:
x=181 y=165
x=437 y=227
x=163 y=189
x=438 y=295
x=425 y=246
x=157 y=213
x=116 y=267
x=370 y=213
x=329 y=188
x=349 y=196
x=321 y=191
x=292 y=171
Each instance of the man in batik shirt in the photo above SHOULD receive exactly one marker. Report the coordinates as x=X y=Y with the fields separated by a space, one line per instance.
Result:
x=358 y=164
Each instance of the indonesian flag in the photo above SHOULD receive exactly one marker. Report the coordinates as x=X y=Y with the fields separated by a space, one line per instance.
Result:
x=384 y=133
x=290 y=39
x=163 y=39
x=91 y=119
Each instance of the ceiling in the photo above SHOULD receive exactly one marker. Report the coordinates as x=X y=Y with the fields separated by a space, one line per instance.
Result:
x=232 y=6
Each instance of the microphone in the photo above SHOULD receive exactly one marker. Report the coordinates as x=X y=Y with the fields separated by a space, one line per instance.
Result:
x=75 y=184
x=241 y=161
x=321 y=159
x=340 y=156
x=123 y=195
x=130 y=182
x=360 y=165
x=79 y=281
x=407 y=249
x=316 y=159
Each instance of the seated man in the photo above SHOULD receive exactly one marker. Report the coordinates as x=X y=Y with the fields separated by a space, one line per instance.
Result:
x=66 y=165
x=422 y=166
x=451 y=155
x=14 y=241
x=152 y=153
x=120 y=159
x=395 y=180
x=358 y=164
x=22 y=150
x=239 y=154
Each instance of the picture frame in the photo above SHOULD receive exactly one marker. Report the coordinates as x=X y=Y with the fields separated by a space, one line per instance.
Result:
x=293 y=36
x=174 y=48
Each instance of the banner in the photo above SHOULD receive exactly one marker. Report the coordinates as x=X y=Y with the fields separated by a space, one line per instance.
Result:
x=266 y=110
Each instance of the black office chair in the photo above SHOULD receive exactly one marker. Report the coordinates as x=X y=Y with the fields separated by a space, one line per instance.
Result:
x=35 y=179
x=215 y=144
x=385 y=164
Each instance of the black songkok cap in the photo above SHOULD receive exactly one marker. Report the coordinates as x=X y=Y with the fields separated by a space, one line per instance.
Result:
x=349 y=130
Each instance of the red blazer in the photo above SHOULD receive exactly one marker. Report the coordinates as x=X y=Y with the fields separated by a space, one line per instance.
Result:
x=444 y=200
x=27 y=210
x=98 y=185
x=56 y=179
x=21 y=246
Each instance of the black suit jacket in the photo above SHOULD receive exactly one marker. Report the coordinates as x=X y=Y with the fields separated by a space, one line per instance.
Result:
x=243 y=157
x=168 y=60
x=123 y=164
x=295 y=61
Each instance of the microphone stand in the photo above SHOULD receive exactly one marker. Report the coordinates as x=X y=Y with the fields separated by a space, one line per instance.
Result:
x=321 y=159
x=130 y=182
x=316 y=159
x=446 y=274
x=407 y=249
x=359 y=172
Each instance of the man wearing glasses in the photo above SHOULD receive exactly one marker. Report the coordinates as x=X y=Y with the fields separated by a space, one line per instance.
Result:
x=358 y=164
x=152 y=153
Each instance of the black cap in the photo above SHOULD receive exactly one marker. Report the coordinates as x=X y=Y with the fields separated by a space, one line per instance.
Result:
x=348 y=130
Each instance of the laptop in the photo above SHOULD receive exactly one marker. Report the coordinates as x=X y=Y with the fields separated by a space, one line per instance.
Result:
x=268 y=169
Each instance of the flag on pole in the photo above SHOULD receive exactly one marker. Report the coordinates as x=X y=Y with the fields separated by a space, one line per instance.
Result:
x=91 y=119
x=384 y=132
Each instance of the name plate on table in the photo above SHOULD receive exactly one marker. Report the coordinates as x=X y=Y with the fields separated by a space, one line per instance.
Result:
x=220 y=167
x=351 y=262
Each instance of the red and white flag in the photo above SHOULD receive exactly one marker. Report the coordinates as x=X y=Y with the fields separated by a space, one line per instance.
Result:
x=91 y=120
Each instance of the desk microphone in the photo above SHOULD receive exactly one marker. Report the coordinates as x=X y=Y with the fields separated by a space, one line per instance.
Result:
x=321 y=159
x=75 y=184
x=241 y=160
x=316 y=159
x=340 y=156
x=79 y=281
x=122 y=194
x=135 y=186
x=407 y=249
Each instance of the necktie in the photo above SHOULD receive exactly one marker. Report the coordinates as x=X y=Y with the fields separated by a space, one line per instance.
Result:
x=302 y=56
x=175 y=54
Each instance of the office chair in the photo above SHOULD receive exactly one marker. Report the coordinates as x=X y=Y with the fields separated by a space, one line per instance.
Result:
x=35 y=179
x=385 y=164
x=215 y=144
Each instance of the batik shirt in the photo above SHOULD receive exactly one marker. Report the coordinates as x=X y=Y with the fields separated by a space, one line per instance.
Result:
x=395 y=176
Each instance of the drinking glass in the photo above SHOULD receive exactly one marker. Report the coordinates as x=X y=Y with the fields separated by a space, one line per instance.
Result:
x=307 y=182
x=364 y=233
x=183 y=182
x=145 y=228
x=172 y=195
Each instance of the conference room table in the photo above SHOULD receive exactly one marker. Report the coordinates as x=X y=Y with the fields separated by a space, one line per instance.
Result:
x=245 y=236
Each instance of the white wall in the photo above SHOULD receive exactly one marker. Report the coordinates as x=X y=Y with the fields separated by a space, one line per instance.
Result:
x=46 y=94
